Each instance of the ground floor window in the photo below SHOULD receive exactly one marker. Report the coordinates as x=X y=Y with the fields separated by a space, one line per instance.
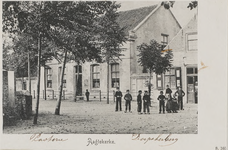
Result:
x=173 y=77
x=96 y=76
x=115 y=75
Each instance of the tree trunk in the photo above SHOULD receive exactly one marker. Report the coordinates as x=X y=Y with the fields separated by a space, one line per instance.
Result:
x=38 y=81
x=45 y=84
x=76 y=79
x=108 y=81
x=57 y=109
x=150 y=86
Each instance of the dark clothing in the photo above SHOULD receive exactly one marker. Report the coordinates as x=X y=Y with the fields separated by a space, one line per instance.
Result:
x=180 y=102
x=146 y=103
x=161 y=99
x=168 y=91
x=118 y=96
x=139 y=102
x=127 y=104
x=87 y=96
x=180 y=96
x=180 y=93
x=128 y=99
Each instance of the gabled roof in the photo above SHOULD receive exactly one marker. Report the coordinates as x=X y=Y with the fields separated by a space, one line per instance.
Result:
x=132 y=18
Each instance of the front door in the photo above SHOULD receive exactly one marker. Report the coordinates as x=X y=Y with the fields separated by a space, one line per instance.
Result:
x=192 y=90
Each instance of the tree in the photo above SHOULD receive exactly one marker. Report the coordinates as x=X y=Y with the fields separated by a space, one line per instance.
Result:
x=154 y=59
x=168 y=4
x=112 y=37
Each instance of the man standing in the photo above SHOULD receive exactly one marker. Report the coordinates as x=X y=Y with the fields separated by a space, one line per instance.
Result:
x=87 y=95
x=180 y=94
x=118 y=96
x=128 y=99
x=168 y=91
x=146 y=102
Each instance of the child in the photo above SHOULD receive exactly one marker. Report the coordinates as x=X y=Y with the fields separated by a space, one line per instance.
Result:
x=139 y=102
x=161 y=99
x=128 y=99
x=146 y=102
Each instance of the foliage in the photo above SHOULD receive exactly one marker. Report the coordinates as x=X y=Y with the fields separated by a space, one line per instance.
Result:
x=152 y=58
x=168 y=4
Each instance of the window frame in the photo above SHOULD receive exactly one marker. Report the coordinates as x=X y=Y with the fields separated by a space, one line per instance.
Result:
x=48 y=74
x=164 y=42
x=92 y=76
x=116 y=72
x=196 y=39
x=178 y=78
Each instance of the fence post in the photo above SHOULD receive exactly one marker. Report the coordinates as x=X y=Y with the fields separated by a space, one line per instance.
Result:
x=52 y=94
x=113 y=95
x=100 y=95
x=34 y=92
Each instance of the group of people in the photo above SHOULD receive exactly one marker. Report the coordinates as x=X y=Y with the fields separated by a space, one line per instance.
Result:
x=173 y=103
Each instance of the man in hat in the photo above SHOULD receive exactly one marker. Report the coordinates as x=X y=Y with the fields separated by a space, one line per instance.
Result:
x=128 y=99
x=118 y=96
x=180 y=94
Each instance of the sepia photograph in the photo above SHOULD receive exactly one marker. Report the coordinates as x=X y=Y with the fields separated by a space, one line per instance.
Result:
x=126 y=70
x=97 y=68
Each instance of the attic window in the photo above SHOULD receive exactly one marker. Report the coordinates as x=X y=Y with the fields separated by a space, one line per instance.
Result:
x=164 y=40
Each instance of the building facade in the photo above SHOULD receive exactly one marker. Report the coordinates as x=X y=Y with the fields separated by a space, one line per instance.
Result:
x=143 y=24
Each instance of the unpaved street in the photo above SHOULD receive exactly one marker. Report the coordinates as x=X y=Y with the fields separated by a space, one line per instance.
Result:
x=100 y=118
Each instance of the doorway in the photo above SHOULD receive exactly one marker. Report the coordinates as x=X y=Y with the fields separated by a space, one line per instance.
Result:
x=192 y=85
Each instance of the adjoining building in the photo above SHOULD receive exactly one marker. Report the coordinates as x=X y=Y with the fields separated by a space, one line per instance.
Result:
x=143 y=25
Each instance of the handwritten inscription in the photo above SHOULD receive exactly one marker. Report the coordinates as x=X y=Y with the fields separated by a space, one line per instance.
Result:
x=99 y=141
x=164 y=140
x=39 y=138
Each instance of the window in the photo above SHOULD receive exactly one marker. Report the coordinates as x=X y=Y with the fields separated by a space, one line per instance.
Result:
x=192 y=41
x=49 y=80
x=96 y=76
x=24 y=85
x=164 y=40
x=115 y=73
x=173 y=77
x=159 y=82
x=78 y=69
x=64 y=77
x=192 y=70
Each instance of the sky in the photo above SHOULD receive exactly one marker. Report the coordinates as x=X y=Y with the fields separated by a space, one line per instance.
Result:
x=180 y=10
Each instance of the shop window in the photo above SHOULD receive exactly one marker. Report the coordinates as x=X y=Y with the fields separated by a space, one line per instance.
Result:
x=49 y=77
x=173 y=77
x=96 y=76
x=64 y=76
x=115 y=75
x=192 y=41
x=164 y=40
